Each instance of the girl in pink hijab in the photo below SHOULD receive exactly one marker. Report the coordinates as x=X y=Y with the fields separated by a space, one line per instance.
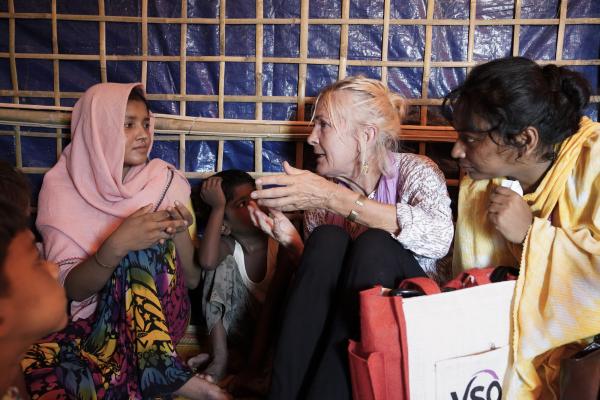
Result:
x=117 y=226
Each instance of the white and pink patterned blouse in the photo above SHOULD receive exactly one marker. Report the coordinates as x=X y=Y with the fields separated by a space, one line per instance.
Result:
x=418 y=189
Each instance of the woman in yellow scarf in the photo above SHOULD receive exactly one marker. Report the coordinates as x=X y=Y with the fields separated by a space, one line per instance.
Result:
x=520 y=121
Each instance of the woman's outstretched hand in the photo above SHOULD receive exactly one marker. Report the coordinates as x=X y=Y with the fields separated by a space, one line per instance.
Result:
x=279 y=227
x=143 y=229
x=276 y=225
x=297 y=190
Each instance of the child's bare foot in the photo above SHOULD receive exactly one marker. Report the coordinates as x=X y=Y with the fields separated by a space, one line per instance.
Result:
x=202 y=389
x=198 y=361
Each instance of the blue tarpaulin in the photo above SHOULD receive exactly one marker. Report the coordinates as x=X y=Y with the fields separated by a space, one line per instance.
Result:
x=406 y=43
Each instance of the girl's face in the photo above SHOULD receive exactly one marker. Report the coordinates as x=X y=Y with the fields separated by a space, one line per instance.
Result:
x=236 y=210
x=137 y=133
x=336 y=150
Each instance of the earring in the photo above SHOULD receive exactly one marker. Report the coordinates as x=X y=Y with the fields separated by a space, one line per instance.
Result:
x=365 y=168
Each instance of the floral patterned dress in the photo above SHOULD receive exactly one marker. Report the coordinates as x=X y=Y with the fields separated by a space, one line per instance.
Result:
x=126 y=350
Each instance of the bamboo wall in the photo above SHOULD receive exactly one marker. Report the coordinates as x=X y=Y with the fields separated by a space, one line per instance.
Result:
x=23 y=121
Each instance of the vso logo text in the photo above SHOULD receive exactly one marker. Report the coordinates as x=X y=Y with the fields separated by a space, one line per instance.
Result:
x=484 y=385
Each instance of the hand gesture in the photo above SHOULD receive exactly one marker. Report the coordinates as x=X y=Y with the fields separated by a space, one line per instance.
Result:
x=212 y=193
x=181 y=213
x=143 y=229
x=298 y=190
x=509 y=214
x=276 y=225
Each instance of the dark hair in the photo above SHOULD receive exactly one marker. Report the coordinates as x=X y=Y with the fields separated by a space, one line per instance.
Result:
x=511 y=94
x=12 y=221
x=231 y=179
x=137 y=94
x=14 y=186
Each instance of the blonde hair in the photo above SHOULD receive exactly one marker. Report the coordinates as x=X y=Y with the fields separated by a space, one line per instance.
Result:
x=373 y=105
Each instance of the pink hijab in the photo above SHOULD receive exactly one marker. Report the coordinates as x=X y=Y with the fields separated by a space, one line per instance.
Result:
x=83 y=198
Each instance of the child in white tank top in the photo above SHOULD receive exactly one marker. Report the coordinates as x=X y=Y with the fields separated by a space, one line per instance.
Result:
x=241 y=268
x=257 y=289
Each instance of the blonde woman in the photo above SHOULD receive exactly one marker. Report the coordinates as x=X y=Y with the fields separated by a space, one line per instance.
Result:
x=373 y=216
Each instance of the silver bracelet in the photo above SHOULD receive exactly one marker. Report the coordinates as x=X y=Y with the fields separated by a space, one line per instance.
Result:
x=100 y=263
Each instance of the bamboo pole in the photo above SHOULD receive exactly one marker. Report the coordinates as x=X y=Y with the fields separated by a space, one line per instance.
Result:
x=102 y=42
x=182 y=82
x=471 y=40
x=304 y=9
x=275 y=60
x=296 y=21
x=239 y=99
x=385 y=40
x=221 y=96
x=427 y=60
x=258 y=65
x=56 y=76
x=561 y=29
x=222 y=10
x=55 y=63
x=344 y=40
x=258 y=146
x=11 y=49
x=517 y=29
x=220 y=150
x=14 y=78
x=144 y=22
x=258 y=73
x=183 y=60
x=207 y=128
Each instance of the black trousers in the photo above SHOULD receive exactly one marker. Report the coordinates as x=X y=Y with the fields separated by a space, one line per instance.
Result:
x=322 y=313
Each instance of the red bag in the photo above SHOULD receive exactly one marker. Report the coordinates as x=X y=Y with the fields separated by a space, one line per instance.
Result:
x=482 y=276
x=379 y=363
x=378 y=367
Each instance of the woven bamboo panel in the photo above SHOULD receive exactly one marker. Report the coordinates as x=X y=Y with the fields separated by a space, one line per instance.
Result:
x=170 y=128
x=185 y=127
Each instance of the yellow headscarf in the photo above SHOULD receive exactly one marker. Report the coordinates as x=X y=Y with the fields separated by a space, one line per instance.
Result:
x=557 y=296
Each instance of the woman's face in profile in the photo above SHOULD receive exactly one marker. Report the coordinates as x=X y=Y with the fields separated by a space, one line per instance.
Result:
x=335 y=148
x=483 y=158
